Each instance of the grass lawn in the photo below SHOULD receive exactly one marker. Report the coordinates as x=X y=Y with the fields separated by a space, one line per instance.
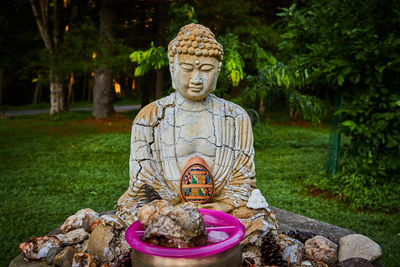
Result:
x=52 y=167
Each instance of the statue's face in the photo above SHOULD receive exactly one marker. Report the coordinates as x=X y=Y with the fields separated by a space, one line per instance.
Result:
x=194 y=77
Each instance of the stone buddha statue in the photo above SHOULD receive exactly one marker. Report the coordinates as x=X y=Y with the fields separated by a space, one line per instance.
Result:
x=192 y=122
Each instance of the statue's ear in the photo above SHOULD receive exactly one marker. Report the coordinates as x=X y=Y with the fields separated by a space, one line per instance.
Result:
x=219 y=66
x=172 y=72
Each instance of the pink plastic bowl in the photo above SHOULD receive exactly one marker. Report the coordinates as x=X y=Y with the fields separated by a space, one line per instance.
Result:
x=214 y=220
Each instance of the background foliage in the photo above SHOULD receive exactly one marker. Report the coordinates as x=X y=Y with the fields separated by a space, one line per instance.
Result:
x=352 y=48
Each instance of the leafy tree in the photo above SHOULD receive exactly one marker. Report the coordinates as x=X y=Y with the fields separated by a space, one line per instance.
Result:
x=352 y=48
x=52 y=18
x=152 y=59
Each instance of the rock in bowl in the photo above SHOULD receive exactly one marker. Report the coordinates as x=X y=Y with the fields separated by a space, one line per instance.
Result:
x=223 y=249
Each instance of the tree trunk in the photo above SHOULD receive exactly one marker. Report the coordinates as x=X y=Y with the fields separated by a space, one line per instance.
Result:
x=293 y=113
x=159 y=83
x=84 y=88
x=90 y=90
x=103 y=87
x=57 y=99
x=69 y=98
x=1 y=87
x=102 y=94
x=261 y=107
x=37 y=92
x=51 y=18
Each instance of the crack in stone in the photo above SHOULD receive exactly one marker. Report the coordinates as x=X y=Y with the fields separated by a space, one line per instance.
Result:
x=190 y=141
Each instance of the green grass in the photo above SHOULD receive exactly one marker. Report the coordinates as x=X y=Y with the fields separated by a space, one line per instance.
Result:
x=53 y=166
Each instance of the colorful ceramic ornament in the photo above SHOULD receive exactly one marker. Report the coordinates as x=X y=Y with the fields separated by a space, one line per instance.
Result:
x=196 y=183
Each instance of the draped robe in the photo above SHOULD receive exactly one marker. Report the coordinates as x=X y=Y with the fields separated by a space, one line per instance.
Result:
x=153 y=160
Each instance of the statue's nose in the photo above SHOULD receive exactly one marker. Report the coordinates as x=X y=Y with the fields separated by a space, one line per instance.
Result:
x=196 y=79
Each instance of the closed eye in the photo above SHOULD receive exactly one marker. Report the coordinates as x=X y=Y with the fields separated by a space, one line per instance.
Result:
x=206 y=67
x=186 y=66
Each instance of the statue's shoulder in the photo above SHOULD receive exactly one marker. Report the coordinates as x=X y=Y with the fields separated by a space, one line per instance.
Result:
x=228 y=108
x=153 y=112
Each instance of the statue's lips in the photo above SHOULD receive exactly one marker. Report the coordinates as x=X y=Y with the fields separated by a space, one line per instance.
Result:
x=195 y=89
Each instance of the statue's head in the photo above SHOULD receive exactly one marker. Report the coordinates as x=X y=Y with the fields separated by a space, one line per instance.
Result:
x=195 y=60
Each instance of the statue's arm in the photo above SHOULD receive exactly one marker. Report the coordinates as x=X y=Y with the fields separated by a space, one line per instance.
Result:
x=143 y=166
x=242 y=181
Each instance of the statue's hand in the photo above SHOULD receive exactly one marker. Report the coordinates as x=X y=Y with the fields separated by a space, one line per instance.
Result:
x=221 y=206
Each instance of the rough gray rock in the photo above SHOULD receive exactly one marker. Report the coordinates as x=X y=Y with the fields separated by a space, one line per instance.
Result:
x=292 y=248
x=52 y=253
x=64 y=258
x=73 y=237
x=292 y=254
x=358 y=246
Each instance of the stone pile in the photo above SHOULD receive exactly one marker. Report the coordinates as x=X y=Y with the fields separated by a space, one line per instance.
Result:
x=82 y=234
x=318 y=251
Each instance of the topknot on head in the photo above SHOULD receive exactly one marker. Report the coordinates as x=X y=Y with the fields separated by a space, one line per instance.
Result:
x=195 y=39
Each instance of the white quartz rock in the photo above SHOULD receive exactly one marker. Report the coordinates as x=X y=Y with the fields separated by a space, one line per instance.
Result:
x=36 y=248
x=73 y=237
x=257 y=200
x=217 y=236
x=81 y=219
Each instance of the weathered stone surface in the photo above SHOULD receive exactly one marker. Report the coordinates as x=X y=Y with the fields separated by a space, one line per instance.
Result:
x=81 y=247
x=52 y=253
x=73 y=237
x=83 y=260
x=292 y=248
x=114 y=221
x=285 y=241
x=356 y=262
x=358 y=246
x=289 y=221
x=81 y=219
x=36 y=248
x=182 y=227
x=20 y=262
x=94 y=225
x=257 y=200
x=321 y=249
x=154 y=209
x=192 y=122
x=292 y=254
x=64 y=258
x=100 y=243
